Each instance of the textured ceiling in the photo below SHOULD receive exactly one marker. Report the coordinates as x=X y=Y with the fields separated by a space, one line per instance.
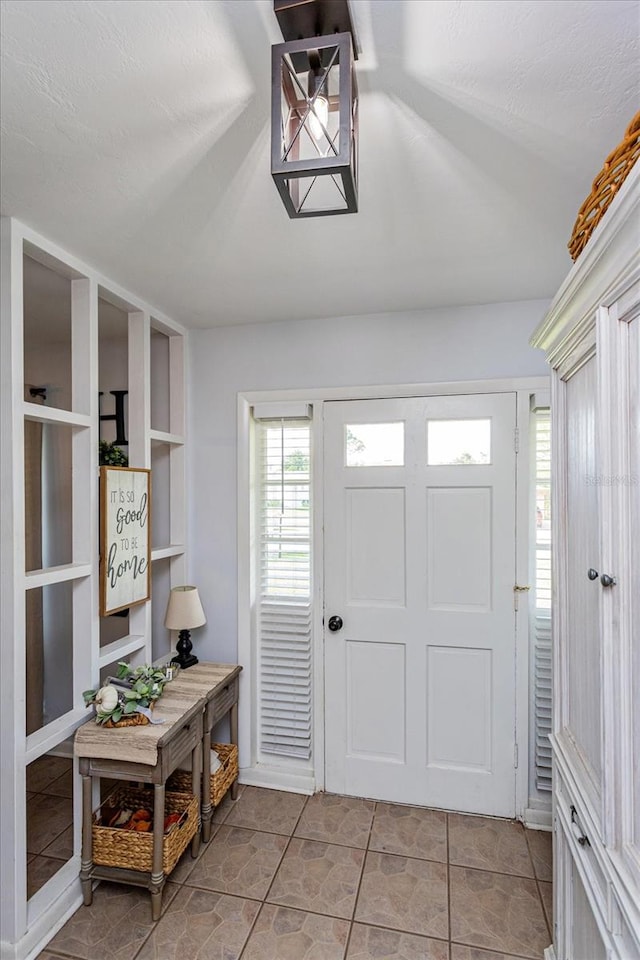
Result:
x=136 y=136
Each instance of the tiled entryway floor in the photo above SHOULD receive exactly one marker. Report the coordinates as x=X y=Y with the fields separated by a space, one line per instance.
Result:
x=288 y=877
x=49 y=818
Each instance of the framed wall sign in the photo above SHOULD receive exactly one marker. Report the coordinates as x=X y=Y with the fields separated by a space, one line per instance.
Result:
x=125 y=538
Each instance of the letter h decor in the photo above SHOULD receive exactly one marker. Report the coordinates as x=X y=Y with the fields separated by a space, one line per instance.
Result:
x=118 y=416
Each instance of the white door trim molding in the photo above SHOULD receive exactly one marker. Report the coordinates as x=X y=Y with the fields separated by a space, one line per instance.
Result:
x=292 y=778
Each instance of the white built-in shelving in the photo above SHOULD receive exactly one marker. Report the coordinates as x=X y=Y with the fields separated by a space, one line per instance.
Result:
x=155 y=347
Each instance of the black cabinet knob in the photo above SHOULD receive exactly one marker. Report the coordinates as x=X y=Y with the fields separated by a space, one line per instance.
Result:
x=592 y=574
x=607 y=581
x=335 y=624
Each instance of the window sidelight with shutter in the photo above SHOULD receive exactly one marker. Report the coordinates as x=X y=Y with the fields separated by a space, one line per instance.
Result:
x=541 y=609
x=283 y=587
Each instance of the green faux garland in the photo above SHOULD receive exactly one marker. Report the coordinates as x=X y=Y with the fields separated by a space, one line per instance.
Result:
x=133 y=688
x=111 y=456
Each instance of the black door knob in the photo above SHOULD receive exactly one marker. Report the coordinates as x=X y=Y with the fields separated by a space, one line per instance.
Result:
x=607 y=581
x=592 y=574
x=335 y=624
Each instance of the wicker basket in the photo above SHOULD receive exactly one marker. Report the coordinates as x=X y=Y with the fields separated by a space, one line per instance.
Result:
x=118 y=847
x=605 y=186
x=221 y=780
x=132 y=720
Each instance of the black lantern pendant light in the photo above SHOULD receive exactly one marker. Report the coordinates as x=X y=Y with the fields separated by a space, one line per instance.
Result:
x=314 y=108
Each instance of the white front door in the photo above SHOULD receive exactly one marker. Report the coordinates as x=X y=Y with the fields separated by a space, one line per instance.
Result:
x=419 y=567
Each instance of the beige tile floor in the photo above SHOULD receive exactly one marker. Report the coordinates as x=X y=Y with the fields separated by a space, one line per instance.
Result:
x=49 y=819
x=287 y=877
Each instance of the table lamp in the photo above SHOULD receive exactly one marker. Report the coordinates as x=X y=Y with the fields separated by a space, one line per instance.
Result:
x=184 y=612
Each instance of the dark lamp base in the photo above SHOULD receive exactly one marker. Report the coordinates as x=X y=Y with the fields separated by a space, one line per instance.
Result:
x=184 y=658
x=184 y=662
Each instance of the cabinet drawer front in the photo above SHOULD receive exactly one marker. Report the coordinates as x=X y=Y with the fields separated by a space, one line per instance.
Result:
x=583 y=840
x=222 y=702
x=591 y=909
x=181 y=744
x=575 y=921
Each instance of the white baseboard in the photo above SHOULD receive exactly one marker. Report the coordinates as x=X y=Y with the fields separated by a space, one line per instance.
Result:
x=536 y=819
x=45 y=927
x=275 y=778
x=550 y=953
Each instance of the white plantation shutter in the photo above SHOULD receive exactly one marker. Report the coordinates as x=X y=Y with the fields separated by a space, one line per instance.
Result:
x=542 y=681
x=542 y=612
x=285 y=694
x=284 y=585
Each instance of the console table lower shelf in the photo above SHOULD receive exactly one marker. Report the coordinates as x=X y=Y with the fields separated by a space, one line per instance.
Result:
x=190 y=707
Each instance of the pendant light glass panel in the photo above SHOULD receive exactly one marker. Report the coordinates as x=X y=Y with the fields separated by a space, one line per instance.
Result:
x=314 y=126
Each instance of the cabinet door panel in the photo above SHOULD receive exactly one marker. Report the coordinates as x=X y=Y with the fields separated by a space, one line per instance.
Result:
x=624 y=545
x=585 y=936
x=633 y=799
x=581 y=661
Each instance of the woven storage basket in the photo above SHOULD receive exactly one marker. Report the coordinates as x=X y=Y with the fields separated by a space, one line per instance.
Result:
x=221 y=780
x=605 y=186
x=118 y=847
x=132 y=720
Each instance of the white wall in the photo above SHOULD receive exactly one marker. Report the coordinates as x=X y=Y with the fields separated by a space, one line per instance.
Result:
x=465 y=343
x=47 y=365
x=113 y=358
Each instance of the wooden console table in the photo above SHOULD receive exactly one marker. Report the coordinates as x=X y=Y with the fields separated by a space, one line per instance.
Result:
x=218 y=683
x=190 y=706
x=222 y=699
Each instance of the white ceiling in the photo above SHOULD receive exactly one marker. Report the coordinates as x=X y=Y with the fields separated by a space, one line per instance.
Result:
x=135 y=134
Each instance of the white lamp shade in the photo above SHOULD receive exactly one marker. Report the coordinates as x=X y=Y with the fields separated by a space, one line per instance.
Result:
x=184 y=610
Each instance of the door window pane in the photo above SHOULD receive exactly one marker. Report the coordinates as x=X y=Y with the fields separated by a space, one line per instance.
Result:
x=458 y=442
x=374 y=444
x=284 y=503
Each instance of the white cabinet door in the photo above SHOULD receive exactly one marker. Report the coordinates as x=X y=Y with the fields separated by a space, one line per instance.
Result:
x=586 y=941
x=630 y=759
x=620 y=335
x=578 y=722
x=420 y=566
x=591 y=338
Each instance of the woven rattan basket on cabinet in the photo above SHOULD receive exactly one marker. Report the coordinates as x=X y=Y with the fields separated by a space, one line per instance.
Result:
x=118 y=847
x=221 y=780
x=605 y=186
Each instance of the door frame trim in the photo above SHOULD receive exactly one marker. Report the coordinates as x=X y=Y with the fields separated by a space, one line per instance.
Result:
x=294 y=777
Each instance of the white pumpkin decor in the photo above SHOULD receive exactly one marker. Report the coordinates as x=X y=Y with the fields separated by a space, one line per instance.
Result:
x=106 y=698
x=133 y=692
